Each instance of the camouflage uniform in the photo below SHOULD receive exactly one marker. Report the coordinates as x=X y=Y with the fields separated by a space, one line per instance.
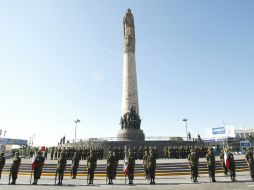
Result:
x=193 y=162
x=39 y=161
x=131 y=166
x=91 y=165
x=145 y=157
x=151 y=165
x=15 y=168
x=211 y=164
x=61 y=167
x=231 y=166
x=75 y=165
x=250 y=161
x=110 y=167
x=2 y=163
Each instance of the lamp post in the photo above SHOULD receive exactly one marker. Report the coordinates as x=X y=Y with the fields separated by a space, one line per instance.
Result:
x=76 y=122
x=185 y=120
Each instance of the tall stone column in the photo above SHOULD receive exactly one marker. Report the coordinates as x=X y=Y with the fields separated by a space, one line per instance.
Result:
x=130 y=120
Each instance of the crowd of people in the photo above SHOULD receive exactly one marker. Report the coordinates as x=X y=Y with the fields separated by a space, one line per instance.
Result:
x=129 y=156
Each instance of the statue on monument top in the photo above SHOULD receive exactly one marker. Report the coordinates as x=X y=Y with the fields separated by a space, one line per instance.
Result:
x=129 y=32
x=131 y=119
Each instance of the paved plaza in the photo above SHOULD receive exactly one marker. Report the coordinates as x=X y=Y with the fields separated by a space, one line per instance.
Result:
x=170 y=182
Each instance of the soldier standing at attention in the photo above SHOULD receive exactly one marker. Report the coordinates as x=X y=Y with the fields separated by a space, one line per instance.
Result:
x=110 y=167
x=91 y=165
x=52 y=153
x=39 y=161
x=231 y=165
x=222 y=161
x=15 y=168
x=151 y=164
x=2 y=163
x=210 y=159
x=193 y=162
x=116 y=160
x=61 y=167
x=145 y=160
x=250 y=161
x=75 y=165
x=131 y=166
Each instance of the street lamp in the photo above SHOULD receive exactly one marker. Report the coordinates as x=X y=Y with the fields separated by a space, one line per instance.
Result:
x=185 y=120
x=76 y=121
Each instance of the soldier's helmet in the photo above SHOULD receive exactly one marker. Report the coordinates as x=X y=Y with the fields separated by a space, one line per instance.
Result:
x=250 y=148
x=16 y=153
x=2 y=154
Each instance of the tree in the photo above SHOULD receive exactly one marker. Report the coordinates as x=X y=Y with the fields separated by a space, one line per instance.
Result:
x=176 y=138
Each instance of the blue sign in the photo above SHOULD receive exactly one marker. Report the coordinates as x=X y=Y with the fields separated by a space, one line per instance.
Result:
x=218 y=130
x=13 y=141
x=245 y=143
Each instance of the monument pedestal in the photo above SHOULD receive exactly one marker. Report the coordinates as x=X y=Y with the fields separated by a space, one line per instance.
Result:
x=131 y=135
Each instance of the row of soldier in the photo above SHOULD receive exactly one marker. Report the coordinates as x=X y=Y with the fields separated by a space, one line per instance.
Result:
x=170 y=152
x=83 y=152
x=176 y=152
x=149 y=163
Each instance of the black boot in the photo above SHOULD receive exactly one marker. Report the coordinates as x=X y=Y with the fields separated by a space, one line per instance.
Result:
x=13 y=182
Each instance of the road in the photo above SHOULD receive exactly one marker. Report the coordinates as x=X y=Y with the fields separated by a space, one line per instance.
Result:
x=169 y=182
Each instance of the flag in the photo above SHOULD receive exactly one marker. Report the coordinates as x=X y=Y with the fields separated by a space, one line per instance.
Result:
x=33 y=161
x=226 y=160
x=126 y=164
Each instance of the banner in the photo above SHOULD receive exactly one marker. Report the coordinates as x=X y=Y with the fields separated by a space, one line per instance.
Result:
x=13 y=141
x=220 y=132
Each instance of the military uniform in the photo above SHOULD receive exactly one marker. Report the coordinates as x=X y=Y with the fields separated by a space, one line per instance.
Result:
x=38 y=164
x=250 y=161
x=145 y=157
x=110 y=167
x=231 y=167
x=61 y=167
x=193 y=162
x=131 y=166
x=15 y=168
x=91 y=165
x=2 y=163
x=211 y=164
x=151 y=165
x=75 y=165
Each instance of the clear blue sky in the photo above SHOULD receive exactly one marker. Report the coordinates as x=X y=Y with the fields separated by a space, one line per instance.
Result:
x=61 y=60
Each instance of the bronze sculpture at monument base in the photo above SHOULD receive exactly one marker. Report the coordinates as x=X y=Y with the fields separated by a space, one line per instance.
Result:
x=130 y=134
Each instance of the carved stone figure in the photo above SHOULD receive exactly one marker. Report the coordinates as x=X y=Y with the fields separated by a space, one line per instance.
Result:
x=129 y=32
x=130 y=119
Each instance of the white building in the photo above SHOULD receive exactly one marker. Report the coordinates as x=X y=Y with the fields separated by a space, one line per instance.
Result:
x=244 y=133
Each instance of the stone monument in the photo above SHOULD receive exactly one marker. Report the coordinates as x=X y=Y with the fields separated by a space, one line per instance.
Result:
x=130 y=119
